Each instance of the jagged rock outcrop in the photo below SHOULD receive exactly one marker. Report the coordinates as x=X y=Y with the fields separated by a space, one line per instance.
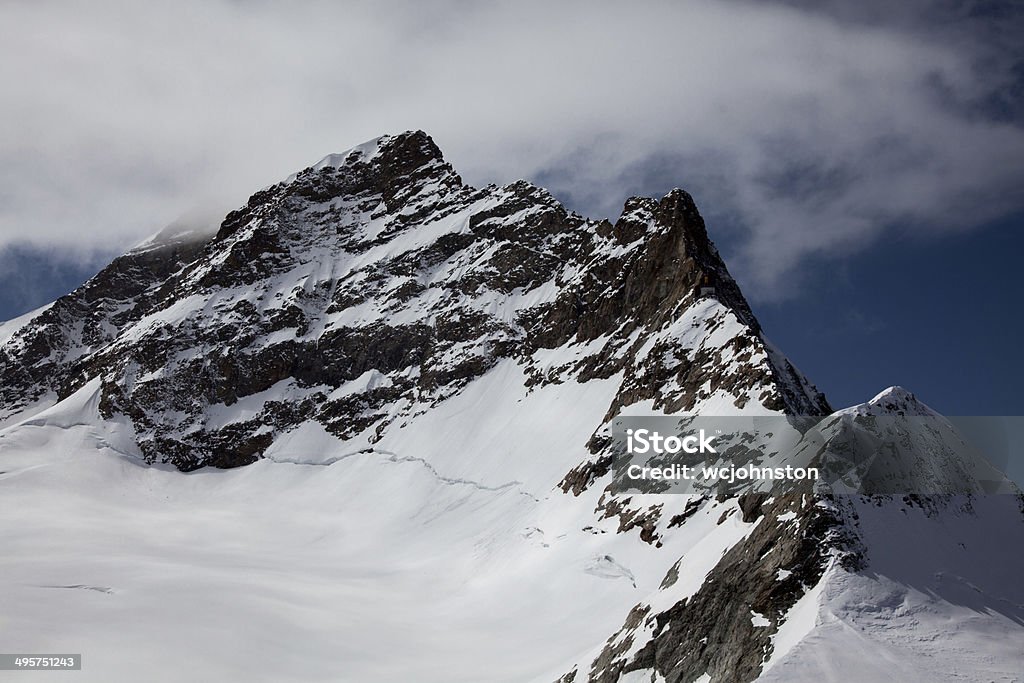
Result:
x=724 y=630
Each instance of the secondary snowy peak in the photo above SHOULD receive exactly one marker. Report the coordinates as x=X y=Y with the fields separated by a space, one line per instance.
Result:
x=381 y=260
x=895 y=444
x=895 y=401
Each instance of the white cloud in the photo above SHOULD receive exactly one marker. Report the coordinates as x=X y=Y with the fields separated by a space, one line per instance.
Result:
x=816 y=134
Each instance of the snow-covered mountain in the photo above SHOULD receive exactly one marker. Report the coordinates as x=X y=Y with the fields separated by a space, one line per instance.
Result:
x=405 y=387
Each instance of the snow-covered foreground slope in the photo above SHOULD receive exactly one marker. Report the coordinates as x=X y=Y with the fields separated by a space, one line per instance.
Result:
x=285 y=572
x=375 y=567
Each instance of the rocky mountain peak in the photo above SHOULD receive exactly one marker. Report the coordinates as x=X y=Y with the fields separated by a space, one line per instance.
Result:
x=397 y=154
x=407 y=151
x=374 y=286
x=392 y=169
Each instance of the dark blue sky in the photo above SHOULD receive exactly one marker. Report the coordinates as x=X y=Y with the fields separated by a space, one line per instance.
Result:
x=941 y=317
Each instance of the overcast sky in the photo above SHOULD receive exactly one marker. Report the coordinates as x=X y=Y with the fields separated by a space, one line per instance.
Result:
x=808 y=133
x=860 y=163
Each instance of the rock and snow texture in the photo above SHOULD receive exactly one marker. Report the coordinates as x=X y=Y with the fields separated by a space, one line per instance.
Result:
x=419 y=377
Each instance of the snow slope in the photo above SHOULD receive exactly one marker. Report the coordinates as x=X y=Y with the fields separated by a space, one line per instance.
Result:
x=941 y=599
x=375 y=567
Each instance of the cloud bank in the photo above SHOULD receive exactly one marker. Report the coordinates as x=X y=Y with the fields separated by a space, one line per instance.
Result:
x=807 y=132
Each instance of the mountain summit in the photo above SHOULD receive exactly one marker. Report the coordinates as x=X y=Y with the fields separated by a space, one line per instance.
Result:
x=365 y=432
x=370 y=287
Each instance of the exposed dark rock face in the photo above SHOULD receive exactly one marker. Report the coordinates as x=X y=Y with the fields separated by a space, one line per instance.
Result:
x=713 y=631
x=379 y=279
